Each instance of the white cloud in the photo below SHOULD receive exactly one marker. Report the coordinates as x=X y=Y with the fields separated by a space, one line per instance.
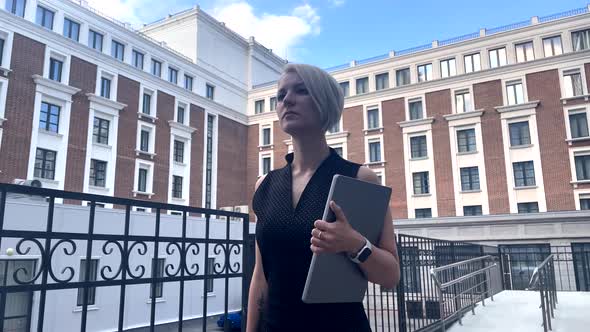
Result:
x=337 y=3
x=281 y=33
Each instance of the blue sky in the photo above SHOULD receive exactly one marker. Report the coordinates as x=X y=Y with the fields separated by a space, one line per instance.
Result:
x=332 y=32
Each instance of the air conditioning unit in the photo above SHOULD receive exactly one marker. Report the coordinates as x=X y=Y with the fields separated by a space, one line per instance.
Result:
x=225 y=208
x=28 y=183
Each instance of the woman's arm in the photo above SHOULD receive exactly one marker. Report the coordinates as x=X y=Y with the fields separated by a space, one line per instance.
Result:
x=258 y=288
x=382 y=266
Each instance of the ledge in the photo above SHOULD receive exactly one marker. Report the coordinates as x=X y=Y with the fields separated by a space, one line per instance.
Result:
x=564 y=101
x=476 y=191
x=178 y=200
x=177 y=163
x=414 y=123
x=266 y=147
x=158 y=300
x=102 y=101
x=527 y=187
x=105 y=189
x=40 y=80
x=419 y=158
x=177 y=125
x=50 y=133
x=139 y=152
x=149 y=195
x=375 y=163
x=49 y=181
x=466 y=115
x=569 y=141
x=147 y=116
x=421 y=195
x=466 y=153
x=578 y=182
x=103 y=146
x=370 y=131
x=88 y=308
x=518 y=147
x=518 y=107
x=340 y=134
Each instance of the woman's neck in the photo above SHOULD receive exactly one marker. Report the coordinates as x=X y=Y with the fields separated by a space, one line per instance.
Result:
x=309 y=152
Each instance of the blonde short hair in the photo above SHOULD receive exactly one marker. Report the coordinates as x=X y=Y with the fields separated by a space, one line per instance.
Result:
x=323 y=89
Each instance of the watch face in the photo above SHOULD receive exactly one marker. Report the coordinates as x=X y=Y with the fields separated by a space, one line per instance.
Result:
x=364 y=254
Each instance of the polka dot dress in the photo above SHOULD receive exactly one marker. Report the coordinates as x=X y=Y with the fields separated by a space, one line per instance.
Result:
x=283 y=234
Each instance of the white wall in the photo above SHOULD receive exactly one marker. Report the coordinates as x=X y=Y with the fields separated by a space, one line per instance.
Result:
x=61 y=313
x=181 y=36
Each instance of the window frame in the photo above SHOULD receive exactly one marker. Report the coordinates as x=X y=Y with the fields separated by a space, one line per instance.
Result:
x=473 y=179
x=364 y=79
x=135 y=53
x=115 y=47
x=449 y=71
x=261 y=108
x=48 y=115
x=498 y=57
x=97 y=137
x=385 y=83
x=94 y=263
x=424 y=180
x=68 y=22
x=92 y=34
x=551 y=39
x=44 y=162
x=178 y=149
x=177 y=186
x=173 y=75
x=422 y=145
x=474 y=67
x=514 y=142
x=210 y=91
x=44 y=10
x=468 y=144
x=426 y=73
x=403 y=70
x=521 y=166
x=189 y=82
x=94 y=180
x=525 y=53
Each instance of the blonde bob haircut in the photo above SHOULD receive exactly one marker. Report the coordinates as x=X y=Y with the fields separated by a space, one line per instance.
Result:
x=324 y=91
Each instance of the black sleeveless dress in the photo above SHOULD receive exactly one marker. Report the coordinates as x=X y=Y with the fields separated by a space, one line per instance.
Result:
x=283 y=236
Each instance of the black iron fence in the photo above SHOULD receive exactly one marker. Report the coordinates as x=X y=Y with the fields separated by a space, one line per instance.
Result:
x=543 y=280
x=142 y=264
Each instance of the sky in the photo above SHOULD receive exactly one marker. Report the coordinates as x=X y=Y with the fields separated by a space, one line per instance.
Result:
x=328 y=33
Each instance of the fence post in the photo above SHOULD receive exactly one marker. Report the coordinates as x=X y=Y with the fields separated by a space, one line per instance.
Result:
x=401 y=301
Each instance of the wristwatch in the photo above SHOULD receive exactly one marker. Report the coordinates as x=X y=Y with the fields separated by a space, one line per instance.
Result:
x=362 y=255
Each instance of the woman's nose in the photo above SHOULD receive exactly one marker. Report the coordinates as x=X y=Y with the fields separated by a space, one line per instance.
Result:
x=288 y=100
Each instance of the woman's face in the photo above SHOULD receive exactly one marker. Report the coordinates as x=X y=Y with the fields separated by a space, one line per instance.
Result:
x=295 y=107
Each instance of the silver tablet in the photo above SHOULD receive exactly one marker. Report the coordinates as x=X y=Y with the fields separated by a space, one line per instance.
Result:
x=334 y=278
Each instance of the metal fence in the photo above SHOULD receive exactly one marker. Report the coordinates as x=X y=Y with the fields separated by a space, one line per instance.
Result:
x=543 y=280
x=51 y=248
x=414 y=305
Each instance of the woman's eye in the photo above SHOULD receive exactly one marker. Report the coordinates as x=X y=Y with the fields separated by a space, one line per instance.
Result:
x=280 y=97
x=302 y=91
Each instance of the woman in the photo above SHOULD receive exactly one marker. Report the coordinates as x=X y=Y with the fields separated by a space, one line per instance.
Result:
x=289 y=202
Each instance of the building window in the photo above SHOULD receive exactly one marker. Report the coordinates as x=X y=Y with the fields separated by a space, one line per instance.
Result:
x=340 y=152
x=16 y=7
x=265 y=165
x=265 y=136
x=178 y=151
x=416 y=109
x=118 y=50
x=176 y=186
x=374 y=151
x=497 y=57
x=211 y=268
x=188 y=82
x=173 y=75
x=144 y=141
x=425 y=72
x=466 y=140
x=530 y=207
x=156 y=68
x=463 y=101
x=423 y=213
x=469 y=178
x=362 y=85
x=100 y=131
x=138 y=59
x=525 y=52
x=147 y=103
x=448 y=68
x=105 y=87
x=514 y=92
x=582 y=167
x=418 y=146
x=580 y=39
x=519 y=133
x=472 y=63
x=402 y=77
x=92 y=274
x=209 y=161
x=373 y=118
x=98 y=173
x=578 y=123
x=259 y=106
x=345 y=86
x=552 y=46
x=142 y=180
x=273 y=103
x=335 y=128
x=585 y=203
x=1 y=51
x=158 y=266
x=71 y=29
x=472 y=210
x=210 y=91
x=572 y=81
x=49 y=119
x=45 y=17
x=45 y=164
x=95 y=40
x=524 y=174
x=55 y=69
x=180 y=114
x=382 y=81
x=421 y=185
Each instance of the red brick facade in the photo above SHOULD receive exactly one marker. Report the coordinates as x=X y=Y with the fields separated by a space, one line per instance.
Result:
x=439 y=104
x=197 y=121
x=27 y=60
x=165 y=113
x=352 y=121
x=231 y=163
x=544 y=87
x=488 y=95
x=83 y=77
x=393 y=112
